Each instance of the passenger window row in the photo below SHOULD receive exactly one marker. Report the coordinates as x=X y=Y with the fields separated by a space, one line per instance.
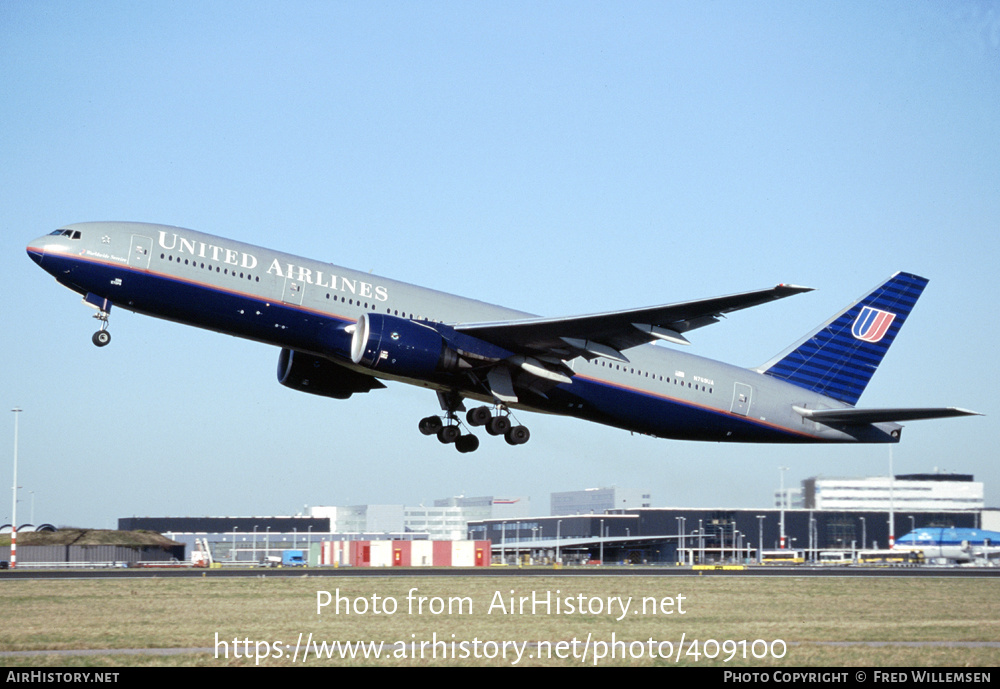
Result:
x=249 y=276
x=218 y=269
x=646 y=374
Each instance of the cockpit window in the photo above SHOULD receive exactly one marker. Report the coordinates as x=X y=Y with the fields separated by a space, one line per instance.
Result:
x=72 y=234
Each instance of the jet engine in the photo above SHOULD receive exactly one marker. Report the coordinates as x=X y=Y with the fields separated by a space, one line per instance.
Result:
x=399 y=346
x=415 y=349
x=323 y=377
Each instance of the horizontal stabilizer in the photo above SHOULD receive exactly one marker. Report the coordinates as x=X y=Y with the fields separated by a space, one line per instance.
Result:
x=863 y=417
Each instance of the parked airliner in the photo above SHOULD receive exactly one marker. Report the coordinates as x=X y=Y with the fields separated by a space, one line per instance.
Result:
x=343 y=331
x=953 y=545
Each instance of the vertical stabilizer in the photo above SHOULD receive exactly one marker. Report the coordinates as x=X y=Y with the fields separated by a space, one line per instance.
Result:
x=839 y=359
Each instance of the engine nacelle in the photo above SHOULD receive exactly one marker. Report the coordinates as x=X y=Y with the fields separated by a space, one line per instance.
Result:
x=323 y=377
x=389 y=344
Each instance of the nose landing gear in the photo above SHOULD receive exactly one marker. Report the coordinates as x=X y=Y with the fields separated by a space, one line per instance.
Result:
x=102 y=337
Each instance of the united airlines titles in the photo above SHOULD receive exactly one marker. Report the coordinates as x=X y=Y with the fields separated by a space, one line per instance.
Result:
x=247 y=261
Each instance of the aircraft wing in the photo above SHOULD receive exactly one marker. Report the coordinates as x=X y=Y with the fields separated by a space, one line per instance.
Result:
x=863 y=417
x=607 y=334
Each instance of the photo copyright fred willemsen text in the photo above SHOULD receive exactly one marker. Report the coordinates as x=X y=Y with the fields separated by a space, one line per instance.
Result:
x=446 y=646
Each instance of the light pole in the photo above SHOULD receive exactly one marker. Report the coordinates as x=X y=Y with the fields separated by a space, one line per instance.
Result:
x=503 y=542
x=783 y=501
x=517 y=540
x=13 y=517
x=680 y=536
x=558 y=536
x=892 y=517
x=812 y=543
x=760 y=537
x=602 y=542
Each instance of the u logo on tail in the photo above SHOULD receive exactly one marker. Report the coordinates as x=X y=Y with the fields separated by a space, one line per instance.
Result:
x=839 y=358
x=872 y=324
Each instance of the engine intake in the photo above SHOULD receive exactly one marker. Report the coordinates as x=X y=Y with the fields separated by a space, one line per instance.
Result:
x=389 y=344
x=322 y=377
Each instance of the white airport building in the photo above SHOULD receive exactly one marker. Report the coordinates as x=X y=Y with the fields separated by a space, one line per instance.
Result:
x=446 y=519
x=908 y=492
x=597 y=501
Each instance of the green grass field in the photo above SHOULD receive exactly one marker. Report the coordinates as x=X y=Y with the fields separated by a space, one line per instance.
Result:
x=795 y=618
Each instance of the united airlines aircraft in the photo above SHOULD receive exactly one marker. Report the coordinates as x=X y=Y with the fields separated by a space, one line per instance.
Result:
x=343 y=332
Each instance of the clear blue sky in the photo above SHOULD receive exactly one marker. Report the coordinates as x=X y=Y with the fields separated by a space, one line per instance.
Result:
x=558 y=158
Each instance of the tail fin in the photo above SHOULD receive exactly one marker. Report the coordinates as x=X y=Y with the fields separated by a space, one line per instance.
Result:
x=840 y=358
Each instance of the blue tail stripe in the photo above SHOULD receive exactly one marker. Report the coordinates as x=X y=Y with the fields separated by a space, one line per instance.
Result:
x=836 y=363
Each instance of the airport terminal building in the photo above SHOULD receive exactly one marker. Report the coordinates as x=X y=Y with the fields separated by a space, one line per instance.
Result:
x=828 y=514
x=701 y=536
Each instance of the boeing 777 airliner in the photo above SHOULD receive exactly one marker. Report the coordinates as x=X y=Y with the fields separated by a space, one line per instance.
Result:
x=343 y=331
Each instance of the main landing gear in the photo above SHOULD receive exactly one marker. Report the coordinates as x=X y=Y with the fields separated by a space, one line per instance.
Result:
x=448 y=430
x=498 y=425
x=450 y=433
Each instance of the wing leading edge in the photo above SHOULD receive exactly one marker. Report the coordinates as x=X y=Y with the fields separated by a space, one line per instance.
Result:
x=608 y=334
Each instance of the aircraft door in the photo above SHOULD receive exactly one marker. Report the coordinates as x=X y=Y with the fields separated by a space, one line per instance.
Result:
x=742 y=394
x=293 y=291
x=140 y=252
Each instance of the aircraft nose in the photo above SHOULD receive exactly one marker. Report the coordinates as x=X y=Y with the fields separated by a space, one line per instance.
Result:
x=36 y=250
